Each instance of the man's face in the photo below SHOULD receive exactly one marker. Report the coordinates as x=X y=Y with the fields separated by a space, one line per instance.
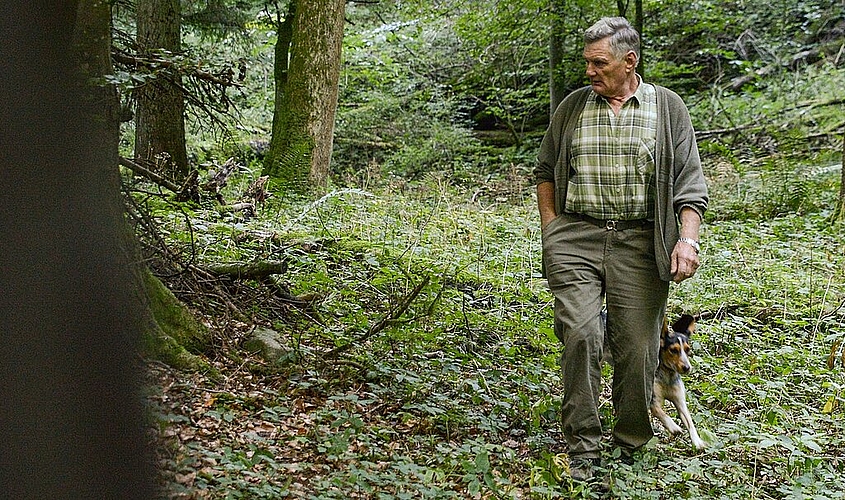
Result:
x=608 y=75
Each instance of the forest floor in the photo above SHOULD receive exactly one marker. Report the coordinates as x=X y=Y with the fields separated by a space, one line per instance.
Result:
x=458 y=396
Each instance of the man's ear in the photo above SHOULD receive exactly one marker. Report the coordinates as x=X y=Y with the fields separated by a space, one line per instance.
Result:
x=631 y=60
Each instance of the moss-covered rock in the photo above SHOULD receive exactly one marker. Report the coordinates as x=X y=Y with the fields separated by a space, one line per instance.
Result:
x=267 y=344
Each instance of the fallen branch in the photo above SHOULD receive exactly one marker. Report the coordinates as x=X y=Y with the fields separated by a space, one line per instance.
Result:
x=804 y=57
x=248 y=270
x=245 y=206
x=706 y=134
x=149 y=174
x=368 y=143
x=839 y=129
x=223 y=296
x=190 y=188
x=392 y=316
x=258 y=190
x=225 y=79
x=817 y=104
x=219 y=178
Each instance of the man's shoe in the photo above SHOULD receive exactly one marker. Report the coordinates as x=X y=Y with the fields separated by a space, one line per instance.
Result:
x=582 y=469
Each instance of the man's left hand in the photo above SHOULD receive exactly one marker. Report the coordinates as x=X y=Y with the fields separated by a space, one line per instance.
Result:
x=684 y=261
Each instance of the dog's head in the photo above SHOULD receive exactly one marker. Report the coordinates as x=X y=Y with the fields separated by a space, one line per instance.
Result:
x=674 y=344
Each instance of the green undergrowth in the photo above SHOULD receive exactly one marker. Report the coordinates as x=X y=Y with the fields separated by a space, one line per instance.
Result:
x=773 y=149
x=458 y=396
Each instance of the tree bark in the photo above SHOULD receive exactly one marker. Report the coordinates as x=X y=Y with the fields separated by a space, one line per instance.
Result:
x=161 y=337
x=638 y=25
x=281 y=62
x=306 y=95
x=71 y=416
x=622 y=7
x=557 y=87
x=841 y=209
x=160 y=115
x=172 y=333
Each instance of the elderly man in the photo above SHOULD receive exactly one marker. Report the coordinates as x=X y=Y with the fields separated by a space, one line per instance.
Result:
x=621 y=195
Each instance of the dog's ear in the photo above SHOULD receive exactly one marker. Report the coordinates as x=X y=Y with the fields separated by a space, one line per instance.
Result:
x=685 y=324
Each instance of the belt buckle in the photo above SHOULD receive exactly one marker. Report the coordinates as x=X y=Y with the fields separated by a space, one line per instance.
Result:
x=610 y=225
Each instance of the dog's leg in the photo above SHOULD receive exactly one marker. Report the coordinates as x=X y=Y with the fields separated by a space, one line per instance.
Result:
x=681 y=405
x=657 y=410
x=670 y=425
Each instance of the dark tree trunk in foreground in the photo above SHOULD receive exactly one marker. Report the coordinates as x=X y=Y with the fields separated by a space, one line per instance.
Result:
x=92 y=44
x=71 y=416
x=306 y=95
x=160 y=115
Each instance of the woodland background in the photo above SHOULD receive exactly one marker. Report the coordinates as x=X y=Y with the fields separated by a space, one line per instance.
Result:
x=338 y=250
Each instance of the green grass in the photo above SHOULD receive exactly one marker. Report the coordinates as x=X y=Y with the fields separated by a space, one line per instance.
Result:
x=459 y=397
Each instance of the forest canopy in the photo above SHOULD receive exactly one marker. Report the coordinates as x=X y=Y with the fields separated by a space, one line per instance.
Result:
x=478 y=77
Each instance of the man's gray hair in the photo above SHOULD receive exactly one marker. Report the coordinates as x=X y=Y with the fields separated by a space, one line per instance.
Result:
x=623 y=36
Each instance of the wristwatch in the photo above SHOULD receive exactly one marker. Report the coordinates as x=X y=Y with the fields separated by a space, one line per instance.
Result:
x=691 y=242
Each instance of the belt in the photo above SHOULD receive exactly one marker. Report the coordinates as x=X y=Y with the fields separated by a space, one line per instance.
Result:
x=613 y=225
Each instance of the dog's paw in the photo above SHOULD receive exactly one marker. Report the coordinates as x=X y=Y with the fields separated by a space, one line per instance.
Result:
x=674 y=429
x=698 y=444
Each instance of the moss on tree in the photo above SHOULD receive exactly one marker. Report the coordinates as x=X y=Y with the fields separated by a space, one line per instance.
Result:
x=173 y=335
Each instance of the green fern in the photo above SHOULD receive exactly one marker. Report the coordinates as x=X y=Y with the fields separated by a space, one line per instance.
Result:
x=290 y=167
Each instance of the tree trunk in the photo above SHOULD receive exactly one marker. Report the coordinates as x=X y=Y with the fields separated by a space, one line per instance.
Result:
x=163 y=337
x=622 y=7
x=557 y=87
x=72 y=421
x=306 y=95
x=92 y=46
x=273 y=160
x=160 y=115
x=638 y=25
x=172 y=334
x=840 y=210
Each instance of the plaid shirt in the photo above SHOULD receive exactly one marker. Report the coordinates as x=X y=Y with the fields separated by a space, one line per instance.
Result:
x=612 y=158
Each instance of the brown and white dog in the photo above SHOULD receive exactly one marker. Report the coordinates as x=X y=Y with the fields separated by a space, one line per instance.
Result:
x=674 y=361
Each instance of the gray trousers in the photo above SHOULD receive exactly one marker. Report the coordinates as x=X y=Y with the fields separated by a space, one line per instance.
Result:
x=587 y=265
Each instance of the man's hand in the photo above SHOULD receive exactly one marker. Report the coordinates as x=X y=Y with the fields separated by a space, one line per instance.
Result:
x=546 y=202
x=684 y=256
x=684 y=261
